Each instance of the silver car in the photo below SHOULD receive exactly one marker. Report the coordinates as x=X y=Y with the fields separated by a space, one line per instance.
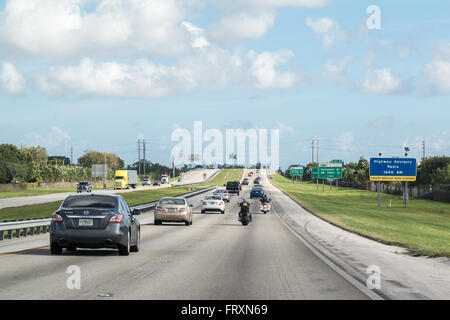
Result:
x=213 y=203
x=173 y=210
x=223 y=193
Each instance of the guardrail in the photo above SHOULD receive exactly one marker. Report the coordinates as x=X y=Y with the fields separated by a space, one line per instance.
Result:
x=32 y=227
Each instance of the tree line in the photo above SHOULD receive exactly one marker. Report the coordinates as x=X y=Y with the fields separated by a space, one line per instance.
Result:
x=432 y=171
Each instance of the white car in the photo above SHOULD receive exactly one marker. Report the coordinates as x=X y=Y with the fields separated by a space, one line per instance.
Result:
x=146 y=182
x=213 y=203
x=223 y=193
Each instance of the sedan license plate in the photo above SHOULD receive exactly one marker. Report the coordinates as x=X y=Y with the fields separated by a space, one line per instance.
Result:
x=86 y=222
x=171 y=210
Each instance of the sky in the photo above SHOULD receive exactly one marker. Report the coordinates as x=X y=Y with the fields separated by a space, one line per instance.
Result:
x=99 y=75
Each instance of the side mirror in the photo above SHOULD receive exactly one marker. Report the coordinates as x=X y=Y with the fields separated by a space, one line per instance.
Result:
x=191 y=205
x=136 y=212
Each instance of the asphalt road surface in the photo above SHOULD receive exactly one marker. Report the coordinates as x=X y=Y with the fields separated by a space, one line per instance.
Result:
x=215 y=258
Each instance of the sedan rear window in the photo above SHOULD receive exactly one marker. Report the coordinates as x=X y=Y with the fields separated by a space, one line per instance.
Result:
x=172 y=201
x=213 y=198
x=90 y=202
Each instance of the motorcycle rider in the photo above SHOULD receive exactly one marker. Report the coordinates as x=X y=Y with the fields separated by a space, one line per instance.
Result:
x=264 y=199
x=245 y=208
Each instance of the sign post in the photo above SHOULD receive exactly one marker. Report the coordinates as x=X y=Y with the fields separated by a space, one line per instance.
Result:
x=393 y=169
x=296 y=172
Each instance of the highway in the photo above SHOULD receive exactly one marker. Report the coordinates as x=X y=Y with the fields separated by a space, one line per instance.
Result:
x=215 y=258
x=190 y=177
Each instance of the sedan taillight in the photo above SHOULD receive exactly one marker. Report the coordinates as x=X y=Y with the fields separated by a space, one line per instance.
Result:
x=159 y=208
x=117 y=219
x=221 y=203
x=56 y=218
x=182 y=209
x=204 y=203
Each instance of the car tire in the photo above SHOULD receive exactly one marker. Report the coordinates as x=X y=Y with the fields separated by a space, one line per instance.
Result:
x=203 y=211
x=187 y=223
x=55 y=249
x=157 y=222
x=222 y=212
x=135 y=248
x=125 y=250
x=71 y=249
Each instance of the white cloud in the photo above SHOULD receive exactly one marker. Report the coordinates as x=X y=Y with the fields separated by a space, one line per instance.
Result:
x=63 y=28
x=327 y=28
x=11 y=81
x=263 y=69
x=210 y=68
x=437 y=72
x=345 y=141
x=382 y=81
x=241 y=26
x=55 y=137
x=336 y=71
x=197 y=34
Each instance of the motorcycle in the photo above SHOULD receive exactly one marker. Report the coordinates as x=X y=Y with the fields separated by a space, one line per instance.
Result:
x=265 y=207
x=244 y=218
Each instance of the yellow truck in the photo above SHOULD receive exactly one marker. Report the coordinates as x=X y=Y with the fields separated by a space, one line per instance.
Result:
x=125 y=179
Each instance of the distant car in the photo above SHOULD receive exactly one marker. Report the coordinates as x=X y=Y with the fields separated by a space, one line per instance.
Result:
x=213 y=203
x=233 y=187
x=173 y=210
x=257 y=192
x=250 y=173
x=245 y=182
x=223 y=193
x=157 y=183
x=146 y=182
x=84 y=186
x=257 y=181
x=95 y=221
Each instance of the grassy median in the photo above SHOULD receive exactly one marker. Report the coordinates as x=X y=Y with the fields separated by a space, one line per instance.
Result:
x=423 y=227
x=44 y=191
x=224 y=176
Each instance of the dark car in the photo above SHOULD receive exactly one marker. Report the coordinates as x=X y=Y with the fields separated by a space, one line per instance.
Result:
x=256 y=192
x=233 y=187
x=157 y=183
x=95 y=221
x=257 y=181
x=84 y=186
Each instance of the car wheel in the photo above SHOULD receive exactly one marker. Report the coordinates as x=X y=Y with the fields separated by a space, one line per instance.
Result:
x=138 y=242
x=203 y=211
x=157 y=222
x=187 y=223
x=125 y=250
x=55 y=249
x=222 y=212
x=71 y=249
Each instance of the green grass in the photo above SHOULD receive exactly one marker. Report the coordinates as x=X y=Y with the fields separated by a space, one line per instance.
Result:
x=224 y=176
x=45 y=210
x=423 y=227
x=39 y=192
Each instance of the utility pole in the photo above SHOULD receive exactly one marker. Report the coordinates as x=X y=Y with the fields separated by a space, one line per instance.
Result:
x=71 y=155
x=312 y=161
x=173 y=167
x=143 y=142
x=139 y=157
x=423 y=149
x=318 y=163
x=104 y=175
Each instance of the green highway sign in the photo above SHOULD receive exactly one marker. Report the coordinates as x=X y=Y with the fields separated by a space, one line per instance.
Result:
x=315 y=173
x=296 y=172
x=330 y=172
x=337 y=161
